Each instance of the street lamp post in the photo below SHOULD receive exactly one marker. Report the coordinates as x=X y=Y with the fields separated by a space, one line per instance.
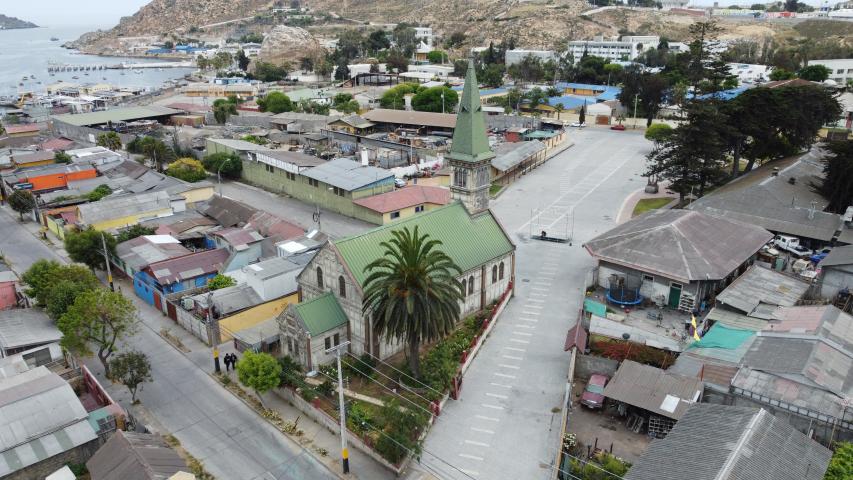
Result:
x=337 y=349
x=636 y=97
x=107 y=261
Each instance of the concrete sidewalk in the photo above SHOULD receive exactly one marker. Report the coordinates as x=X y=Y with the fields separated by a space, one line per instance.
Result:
x=626 y=211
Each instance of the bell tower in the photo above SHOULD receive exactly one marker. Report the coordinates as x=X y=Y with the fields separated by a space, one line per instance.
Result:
x=470 y=156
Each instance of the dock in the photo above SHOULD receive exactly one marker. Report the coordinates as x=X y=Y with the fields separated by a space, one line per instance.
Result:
x=56 y=68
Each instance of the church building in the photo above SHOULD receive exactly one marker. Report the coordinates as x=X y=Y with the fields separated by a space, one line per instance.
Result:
x=331 y=286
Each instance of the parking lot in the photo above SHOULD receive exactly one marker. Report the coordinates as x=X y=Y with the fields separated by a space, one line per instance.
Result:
x=605 y=427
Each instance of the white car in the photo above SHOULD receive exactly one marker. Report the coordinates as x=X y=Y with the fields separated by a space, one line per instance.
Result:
x=399 y=183
x=577 y=125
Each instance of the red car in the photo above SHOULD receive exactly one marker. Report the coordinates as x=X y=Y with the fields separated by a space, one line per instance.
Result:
x=593 y=394
x=618 y=126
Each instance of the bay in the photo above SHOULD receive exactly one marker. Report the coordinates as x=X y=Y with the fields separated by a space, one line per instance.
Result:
x=30 y=51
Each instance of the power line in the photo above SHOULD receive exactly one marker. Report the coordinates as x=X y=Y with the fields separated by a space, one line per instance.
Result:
x=396 y=370
x=454 y=416
x=391 y=390
x=403 y=446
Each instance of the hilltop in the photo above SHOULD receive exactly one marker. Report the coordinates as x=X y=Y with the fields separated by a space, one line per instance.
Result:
x=9 y=23
x=532 y=24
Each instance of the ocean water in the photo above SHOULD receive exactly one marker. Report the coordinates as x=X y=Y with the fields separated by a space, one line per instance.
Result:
x=30 y=51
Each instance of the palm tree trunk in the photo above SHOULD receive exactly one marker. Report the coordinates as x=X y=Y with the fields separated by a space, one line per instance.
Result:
x=414 y=357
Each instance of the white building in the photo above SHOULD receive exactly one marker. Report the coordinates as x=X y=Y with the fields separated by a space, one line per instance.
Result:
x=513 y=57
x=424 y=34
x=840 y=69
x=750 y=73
x=627 y=48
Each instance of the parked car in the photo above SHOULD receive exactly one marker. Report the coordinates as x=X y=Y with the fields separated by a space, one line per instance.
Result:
x=618 y=126
x=399 y=183
x=791 y=245
x=818 y=256
x=593 y=394
x=577 y=125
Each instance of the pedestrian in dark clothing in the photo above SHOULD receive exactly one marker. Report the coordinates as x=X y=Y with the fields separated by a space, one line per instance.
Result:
x=227 y=362
x=234 y=361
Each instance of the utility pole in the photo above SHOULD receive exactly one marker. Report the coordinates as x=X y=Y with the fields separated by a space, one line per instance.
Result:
x=636 y=97
x=216 y=367
x=107 y=261
x=337 y=349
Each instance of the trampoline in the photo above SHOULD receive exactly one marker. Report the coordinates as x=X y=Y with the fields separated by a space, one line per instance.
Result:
x=624 y=291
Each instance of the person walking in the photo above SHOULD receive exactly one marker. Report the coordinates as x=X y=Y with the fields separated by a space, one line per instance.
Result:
x=227 y=361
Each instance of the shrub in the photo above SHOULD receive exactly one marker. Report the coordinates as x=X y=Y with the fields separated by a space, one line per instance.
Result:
x=99 y=192
x=220 y=281
x=291 y=372
x=187 y=169
x=363 y=367
x=359 y=418
x=326 y=388
x=227 y=164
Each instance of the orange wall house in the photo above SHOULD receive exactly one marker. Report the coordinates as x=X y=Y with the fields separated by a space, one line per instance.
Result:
x=56 y=178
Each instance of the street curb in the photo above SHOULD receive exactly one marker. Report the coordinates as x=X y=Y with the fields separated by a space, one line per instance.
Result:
x=268 y=421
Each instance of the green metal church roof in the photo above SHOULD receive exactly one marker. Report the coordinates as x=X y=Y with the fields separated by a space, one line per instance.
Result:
x=321 y=314
x=470 y=142
x=469 y=240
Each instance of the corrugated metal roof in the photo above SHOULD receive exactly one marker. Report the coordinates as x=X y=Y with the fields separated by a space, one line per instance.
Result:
x=736 y=320
x=509 y=155
x=270 y=225
x=803 y=360
x=838 y=256
x=115 y=115
x=239 y=145
x=405 y=197
x=717 y=442
x=790 y=392
x=347 y=174
x=470 y=240
x=680 y=244
x=230 y=300
x=321 y=314
x=40 y=156
x=135 y=456
x=759 y=285
x=23 y=327
x=137 y=253
x=767 y=198
x=653 y=389
x=122 y=206
x=40 y=417
x=228 y=212
x=188 y=266
x=296 y=158
x=411 y=117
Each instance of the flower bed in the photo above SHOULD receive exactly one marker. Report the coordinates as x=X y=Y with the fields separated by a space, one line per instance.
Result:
x=621 y=350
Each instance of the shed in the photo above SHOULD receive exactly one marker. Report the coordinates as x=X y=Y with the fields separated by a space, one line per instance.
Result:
x=135 y=456
x=653 y=390
x=836 y=271
x=25 y=328
x=312 y=327
x=762 y=286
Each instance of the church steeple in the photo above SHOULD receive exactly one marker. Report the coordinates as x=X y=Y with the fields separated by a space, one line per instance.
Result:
x=470 y=154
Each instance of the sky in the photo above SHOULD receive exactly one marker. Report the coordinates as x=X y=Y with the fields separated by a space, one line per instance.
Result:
x=100 y=13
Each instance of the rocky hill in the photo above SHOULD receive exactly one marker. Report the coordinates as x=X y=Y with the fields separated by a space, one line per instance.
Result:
x=9 y=23
x=164 y=17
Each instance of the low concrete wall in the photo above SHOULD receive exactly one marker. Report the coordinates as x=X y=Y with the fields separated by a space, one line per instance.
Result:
x=587 y=365
x=333 y=425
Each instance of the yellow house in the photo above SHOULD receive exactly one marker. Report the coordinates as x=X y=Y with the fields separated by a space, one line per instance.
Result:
x=246 y=319
x=126 y=210
x=402 y=203
x=352 y=124
x=193 y=192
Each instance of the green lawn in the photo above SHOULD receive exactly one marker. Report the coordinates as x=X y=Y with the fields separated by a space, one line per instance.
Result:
x=494 y=189
x=647 y=204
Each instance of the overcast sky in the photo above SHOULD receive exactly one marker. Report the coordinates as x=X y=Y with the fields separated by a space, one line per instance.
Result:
x=101 y=13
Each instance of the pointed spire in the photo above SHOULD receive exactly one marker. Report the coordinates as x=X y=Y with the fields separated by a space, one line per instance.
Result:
x=470 y=142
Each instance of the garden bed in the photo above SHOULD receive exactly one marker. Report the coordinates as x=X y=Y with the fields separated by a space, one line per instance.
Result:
x=395 y=430
x=622 y=350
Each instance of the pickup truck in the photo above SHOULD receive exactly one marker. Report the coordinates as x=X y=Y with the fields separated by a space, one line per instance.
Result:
x=791 y=245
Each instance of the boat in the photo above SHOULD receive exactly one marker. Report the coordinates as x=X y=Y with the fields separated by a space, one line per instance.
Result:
x=75 y=77
x=54 y=39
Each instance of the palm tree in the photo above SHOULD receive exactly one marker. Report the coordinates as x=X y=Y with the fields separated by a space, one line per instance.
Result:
x=412 y=292
x=559 y=109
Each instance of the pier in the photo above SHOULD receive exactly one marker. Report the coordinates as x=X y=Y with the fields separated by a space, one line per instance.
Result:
x=56 y=68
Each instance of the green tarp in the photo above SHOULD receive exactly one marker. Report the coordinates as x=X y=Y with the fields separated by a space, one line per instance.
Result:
x=720 y=336
x=595 y=308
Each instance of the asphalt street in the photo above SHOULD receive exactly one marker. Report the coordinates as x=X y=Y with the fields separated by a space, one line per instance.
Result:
x=506 y=423
x=226 y=435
